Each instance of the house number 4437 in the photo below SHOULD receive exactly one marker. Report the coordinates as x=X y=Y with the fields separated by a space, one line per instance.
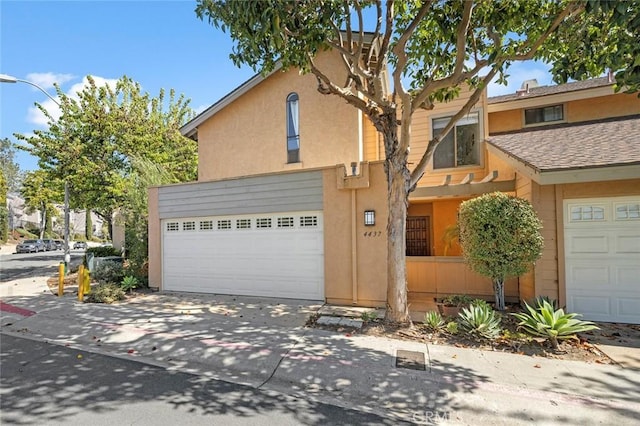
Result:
x=373 y=233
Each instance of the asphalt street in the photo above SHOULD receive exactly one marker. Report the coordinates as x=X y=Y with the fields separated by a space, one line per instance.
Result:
x=41 y=383
x=15 y=266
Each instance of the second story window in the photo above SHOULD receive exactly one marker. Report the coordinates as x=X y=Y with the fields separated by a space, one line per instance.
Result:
x=293 y=129
x=543 y=115
x=461 y=145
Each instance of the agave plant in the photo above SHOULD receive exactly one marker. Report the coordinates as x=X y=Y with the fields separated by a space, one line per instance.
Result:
x=433 y=321
x=480 y=320
x=552 y=324
x=452 y=327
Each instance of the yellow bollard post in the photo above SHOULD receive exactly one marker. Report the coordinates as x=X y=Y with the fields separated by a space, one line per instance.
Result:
x=80 y=282
x=61 y=279
x=87 y=281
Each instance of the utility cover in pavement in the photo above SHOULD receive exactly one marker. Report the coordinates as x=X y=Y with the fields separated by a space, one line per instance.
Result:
x=410 y=359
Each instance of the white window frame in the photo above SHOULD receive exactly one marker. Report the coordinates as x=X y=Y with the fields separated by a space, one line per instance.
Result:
x=189 y=225
x=544 y=123
x=480 y=142
x=592 y=206
x=626 y=205
x=292 y=121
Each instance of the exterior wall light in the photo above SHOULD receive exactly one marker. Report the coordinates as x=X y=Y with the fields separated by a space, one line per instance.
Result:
x=369 y=217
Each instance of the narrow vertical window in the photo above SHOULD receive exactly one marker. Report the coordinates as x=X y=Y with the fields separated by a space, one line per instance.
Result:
x=293 y=129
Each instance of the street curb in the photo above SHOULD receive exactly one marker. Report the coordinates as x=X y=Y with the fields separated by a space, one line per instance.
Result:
x=191 y=368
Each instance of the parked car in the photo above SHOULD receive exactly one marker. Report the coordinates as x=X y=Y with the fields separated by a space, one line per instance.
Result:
x=30 y=246
x=59 y=244
x=80 y=245
x=49 y=245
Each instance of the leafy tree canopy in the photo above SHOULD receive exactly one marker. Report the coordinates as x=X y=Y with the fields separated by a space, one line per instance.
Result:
x=100 y=130
x=8 y=166
x=500 y=237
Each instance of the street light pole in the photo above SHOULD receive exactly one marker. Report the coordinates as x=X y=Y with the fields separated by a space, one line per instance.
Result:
x=4 y=78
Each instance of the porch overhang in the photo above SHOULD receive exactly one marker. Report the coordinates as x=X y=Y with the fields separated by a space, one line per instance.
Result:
x=466 y=188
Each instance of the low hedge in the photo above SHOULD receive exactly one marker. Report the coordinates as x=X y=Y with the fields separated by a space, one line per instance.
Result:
x=103 y=251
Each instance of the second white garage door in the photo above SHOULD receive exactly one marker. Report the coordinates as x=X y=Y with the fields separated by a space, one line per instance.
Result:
x=602 y=252
x=274 y=255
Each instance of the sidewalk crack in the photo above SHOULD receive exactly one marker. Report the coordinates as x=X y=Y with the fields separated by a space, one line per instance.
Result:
x=295 y=343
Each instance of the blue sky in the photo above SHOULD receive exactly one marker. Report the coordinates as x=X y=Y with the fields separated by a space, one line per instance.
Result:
x=160 y=44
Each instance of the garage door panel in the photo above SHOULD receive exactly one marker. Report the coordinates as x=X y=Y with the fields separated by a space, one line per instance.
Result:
x=594 y=306
x=602 y=258
x=284 y=258
x=589 y=275
x=627 y=276
x=628 y=307
x=588 y=244
x=628 y=243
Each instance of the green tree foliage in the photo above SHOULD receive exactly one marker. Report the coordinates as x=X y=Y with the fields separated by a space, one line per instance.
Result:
x=136 y=212
x=431 y=50
x=10 y=169
x=101 y=128
x=500 y=237
x=40 y=193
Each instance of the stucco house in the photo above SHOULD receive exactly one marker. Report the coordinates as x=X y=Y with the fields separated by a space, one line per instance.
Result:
x=291 y=197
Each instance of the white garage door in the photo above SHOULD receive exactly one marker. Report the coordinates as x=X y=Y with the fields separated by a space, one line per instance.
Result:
x=274 y=255
x=602 y=250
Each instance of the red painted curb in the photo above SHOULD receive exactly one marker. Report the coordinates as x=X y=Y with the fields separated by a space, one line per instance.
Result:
x=5 y=307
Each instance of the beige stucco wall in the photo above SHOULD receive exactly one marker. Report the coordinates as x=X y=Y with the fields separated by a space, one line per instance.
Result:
x=249 y=136
x=355 y=255
x=155 y=241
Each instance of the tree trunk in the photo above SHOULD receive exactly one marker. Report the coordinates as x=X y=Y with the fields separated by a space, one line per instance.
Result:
x=498 y=290
x=398 y=192
x=88 y=225
x=43 y=222
x=48 y=227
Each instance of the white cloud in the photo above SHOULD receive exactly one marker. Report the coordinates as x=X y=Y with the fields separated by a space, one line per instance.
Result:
x=46 y=80
x=519 y=72
x=201 y=108
x=36 y=116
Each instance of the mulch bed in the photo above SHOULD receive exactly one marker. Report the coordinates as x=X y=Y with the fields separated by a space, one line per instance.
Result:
x=512 y=340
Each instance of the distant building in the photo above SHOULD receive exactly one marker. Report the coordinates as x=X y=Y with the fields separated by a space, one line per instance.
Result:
x=19 y=218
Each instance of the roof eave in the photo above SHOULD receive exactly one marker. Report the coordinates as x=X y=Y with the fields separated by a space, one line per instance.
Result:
x=535 y=101
x=570 y=175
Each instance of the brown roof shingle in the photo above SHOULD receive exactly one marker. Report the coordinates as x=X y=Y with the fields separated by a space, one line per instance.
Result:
x=535 y=92
x=575 y=146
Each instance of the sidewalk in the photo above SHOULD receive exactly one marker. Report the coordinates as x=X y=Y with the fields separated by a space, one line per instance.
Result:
x=263 y=343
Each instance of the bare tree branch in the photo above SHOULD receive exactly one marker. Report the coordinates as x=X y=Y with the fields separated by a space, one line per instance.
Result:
x=376 y=35
x=387 y=37
x=326 y=86
x=347 y=14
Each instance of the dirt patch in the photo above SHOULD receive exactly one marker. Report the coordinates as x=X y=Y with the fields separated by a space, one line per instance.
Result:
x=512 y=340
x=70 y=284
x=71 y=287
